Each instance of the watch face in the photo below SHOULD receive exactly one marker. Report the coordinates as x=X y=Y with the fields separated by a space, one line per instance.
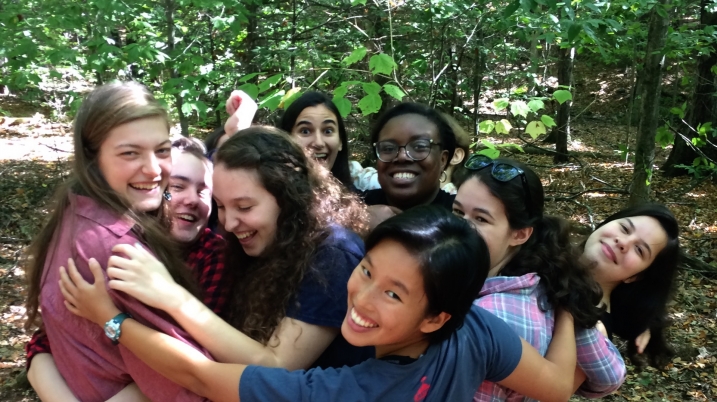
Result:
x=111 y=331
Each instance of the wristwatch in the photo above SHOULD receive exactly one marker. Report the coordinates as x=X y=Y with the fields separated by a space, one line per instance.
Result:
x=112 y=327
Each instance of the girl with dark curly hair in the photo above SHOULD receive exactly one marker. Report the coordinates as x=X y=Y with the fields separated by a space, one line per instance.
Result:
x=534 y=270
x=410 y=297
x=291 y=247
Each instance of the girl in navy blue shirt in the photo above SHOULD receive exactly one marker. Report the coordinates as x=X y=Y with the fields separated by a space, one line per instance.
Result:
x=410 y=297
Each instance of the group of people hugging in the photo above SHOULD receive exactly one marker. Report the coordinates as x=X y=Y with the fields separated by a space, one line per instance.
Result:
x=269 y=267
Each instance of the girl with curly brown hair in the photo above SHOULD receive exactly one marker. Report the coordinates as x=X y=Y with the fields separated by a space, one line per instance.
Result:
x=292 y=246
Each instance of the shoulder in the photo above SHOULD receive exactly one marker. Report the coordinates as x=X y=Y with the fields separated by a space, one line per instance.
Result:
x=92 y=214
x=444 y=199
x=340 y=238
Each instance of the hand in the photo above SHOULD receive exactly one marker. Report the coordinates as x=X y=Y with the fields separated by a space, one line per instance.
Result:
x=241 y=109
x=379 y=213
x=88 y=300
x=601 y=327
x=143 y=277
x=642 y=340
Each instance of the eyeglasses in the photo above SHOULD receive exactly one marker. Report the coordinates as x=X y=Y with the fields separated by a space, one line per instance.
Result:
x=503 y=172
x=416 y=150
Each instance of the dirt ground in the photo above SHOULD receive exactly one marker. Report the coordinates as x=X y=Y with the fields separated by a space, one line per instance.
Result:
x=33 y=160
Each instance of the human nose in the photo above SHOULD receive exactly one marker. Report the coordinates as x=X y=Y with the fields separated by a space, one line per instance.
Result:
x=318 y=140
x=364 y=297
x=402 y=154
x=152 y=167
x=623 y=242
x=231 y=223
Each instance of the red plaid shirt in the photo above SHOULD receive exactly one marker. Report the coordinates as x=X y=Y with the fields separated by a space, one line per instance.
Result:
x=205 y=257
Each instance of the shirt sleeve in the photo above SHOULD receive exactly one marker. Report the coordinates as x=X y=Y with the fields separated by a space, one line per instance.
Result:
x=502 y=345
x=37 y=345
x=211 y=275
x=321 y=298
x=260 y=384
x=601 y=362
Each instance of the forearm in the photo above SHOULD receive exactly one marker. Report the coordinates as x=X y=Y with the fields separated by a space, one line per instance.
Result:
x=601 y=363
x=180 y=362
x=224 y=342
x=47 y=381
x=562 y=354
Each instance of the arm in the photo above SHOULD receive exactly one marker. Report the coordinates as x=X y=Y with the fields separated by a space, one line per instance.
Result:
x=550 y=378
x=168 y=356
x=47 y=381
x=298 y=344
x=600 y=362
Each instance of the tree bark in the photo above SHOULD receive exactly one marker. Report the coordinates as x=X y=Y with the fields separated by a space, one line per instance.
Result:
x=649 y=112
x=561 y=131
x=170 y=7
x=702 y=108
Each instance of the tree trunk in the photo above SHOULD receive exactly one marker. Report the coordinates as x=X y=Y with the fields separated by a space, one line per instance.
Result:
x=702 y=109
x=561 y=131
x=170 y=7
x=649 y=112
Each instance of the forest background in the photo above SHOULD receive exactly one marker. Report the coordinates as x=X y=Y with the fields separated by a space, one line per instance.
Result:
x=611 y=103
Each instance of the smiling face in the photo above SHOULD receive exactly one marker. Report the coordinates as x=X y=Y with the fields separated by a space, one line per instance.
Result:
x=316 y=130
x=623 y=248
x=191 y=187
x=245 y=208
x=135 y=160
x=486 y=213
x=387 y=303
x=406 y=182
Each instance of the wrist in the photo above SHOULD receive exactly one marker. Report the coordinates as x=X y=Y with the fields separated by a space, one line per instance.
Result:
x=179 y=299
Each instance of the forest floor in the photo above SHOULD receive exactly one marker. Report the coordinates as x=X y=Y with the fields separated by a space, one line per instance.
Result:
x=33 y=160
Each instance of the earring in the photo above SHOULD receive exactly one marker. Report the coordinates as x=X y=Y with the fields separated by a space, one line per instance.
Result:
x=444 y=176
x=167 y=195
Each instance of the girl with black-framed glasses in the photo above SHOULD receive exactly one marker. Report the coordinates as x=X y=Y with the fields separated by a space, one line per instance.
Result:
x=534 y=270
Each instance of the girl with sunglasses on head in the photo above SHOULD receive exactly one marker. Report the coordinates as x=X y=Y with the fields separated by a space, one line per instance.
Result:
x=410 y=297
x=534 y=270
x=634 y=254
x=116 y=194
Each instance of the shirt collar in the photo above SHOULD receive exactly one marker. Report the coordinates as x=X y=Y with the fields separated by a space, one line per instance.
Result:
x=503 y=284
x=88 y=208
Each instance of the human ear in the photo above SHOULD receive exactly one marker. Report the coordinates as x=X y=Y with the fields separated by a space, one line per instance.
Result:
x=444 y=159
x=520 y=236
x=433 y=324
x=458 y=156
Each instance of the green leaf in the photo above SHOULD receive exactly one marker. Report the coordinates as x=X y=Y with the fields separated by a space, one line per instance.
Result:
x=370 y=103
x=501 y=104
x=486 y=126
x=547 y=120
x=250 y=89
x=349 y=83
x=535 y=129
x=491 y=153
x=512 y=7
x=187 y=108
x=371 y=88
x=677 y=111
x=488 y=144
x=356 y=55
x=340 y=92
x=664 y=137
x=273 y=100
x=562 y=96
x=535 y=105
x=248 y=77
x=394 y=91
x=503 y=127
x=381 y=64
x=519 y=108
x=344 y=106
x=269 y=82
x=291 y=95
x=356 y=2
x=574 y=31
x=510 y=145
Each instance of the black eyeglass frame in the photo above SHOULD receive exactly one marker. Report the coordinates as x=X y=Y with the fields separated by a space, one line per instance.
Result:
x=485 y=161
x=431 y=143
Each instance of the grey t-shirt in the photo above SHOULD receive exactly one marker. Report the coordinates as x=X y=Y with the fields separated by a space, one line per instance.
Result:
x=484 y=348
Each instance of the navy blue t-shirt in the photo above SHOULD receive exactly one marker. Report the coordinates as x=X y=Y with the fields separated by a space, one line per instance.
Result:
x=484 y=348
x=322 y=295
x=378 y=197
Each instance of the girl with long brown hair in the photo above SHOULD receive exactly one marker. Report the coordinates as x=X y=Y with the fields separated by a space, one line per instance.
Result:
x=115 y=195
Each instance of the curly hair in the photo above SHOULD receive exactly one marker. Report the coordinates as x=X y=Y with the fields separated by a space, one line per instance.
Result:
x=310 y=201
x=549 y=252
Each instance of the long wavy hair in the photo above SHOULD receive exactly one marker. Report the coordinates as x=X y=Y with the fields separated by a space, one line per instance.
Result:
x=549 y=252
x=340 y=170
x=642 y=304
x=310 y=201
x=105 y=108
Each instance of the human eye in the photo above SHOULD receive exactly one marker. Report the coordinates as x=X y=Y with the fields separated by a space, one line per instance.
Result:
x=421 y=145
x=329 y=131
x=129 y=154
x=624 y=228
x=366 y=272
x=480 y=219
x=177 y=187
x=386 y=147
x=393 y=295
x=244 y=209
x=458 y=212
x=640 y=252
x=164 y=152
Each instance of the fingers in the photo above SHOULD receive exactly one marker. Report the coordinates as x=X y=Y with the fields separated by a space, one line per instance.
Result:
x=127 y=249
x=96 y=270
x=74 y=274
x=67 y=287
x=642 y=341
